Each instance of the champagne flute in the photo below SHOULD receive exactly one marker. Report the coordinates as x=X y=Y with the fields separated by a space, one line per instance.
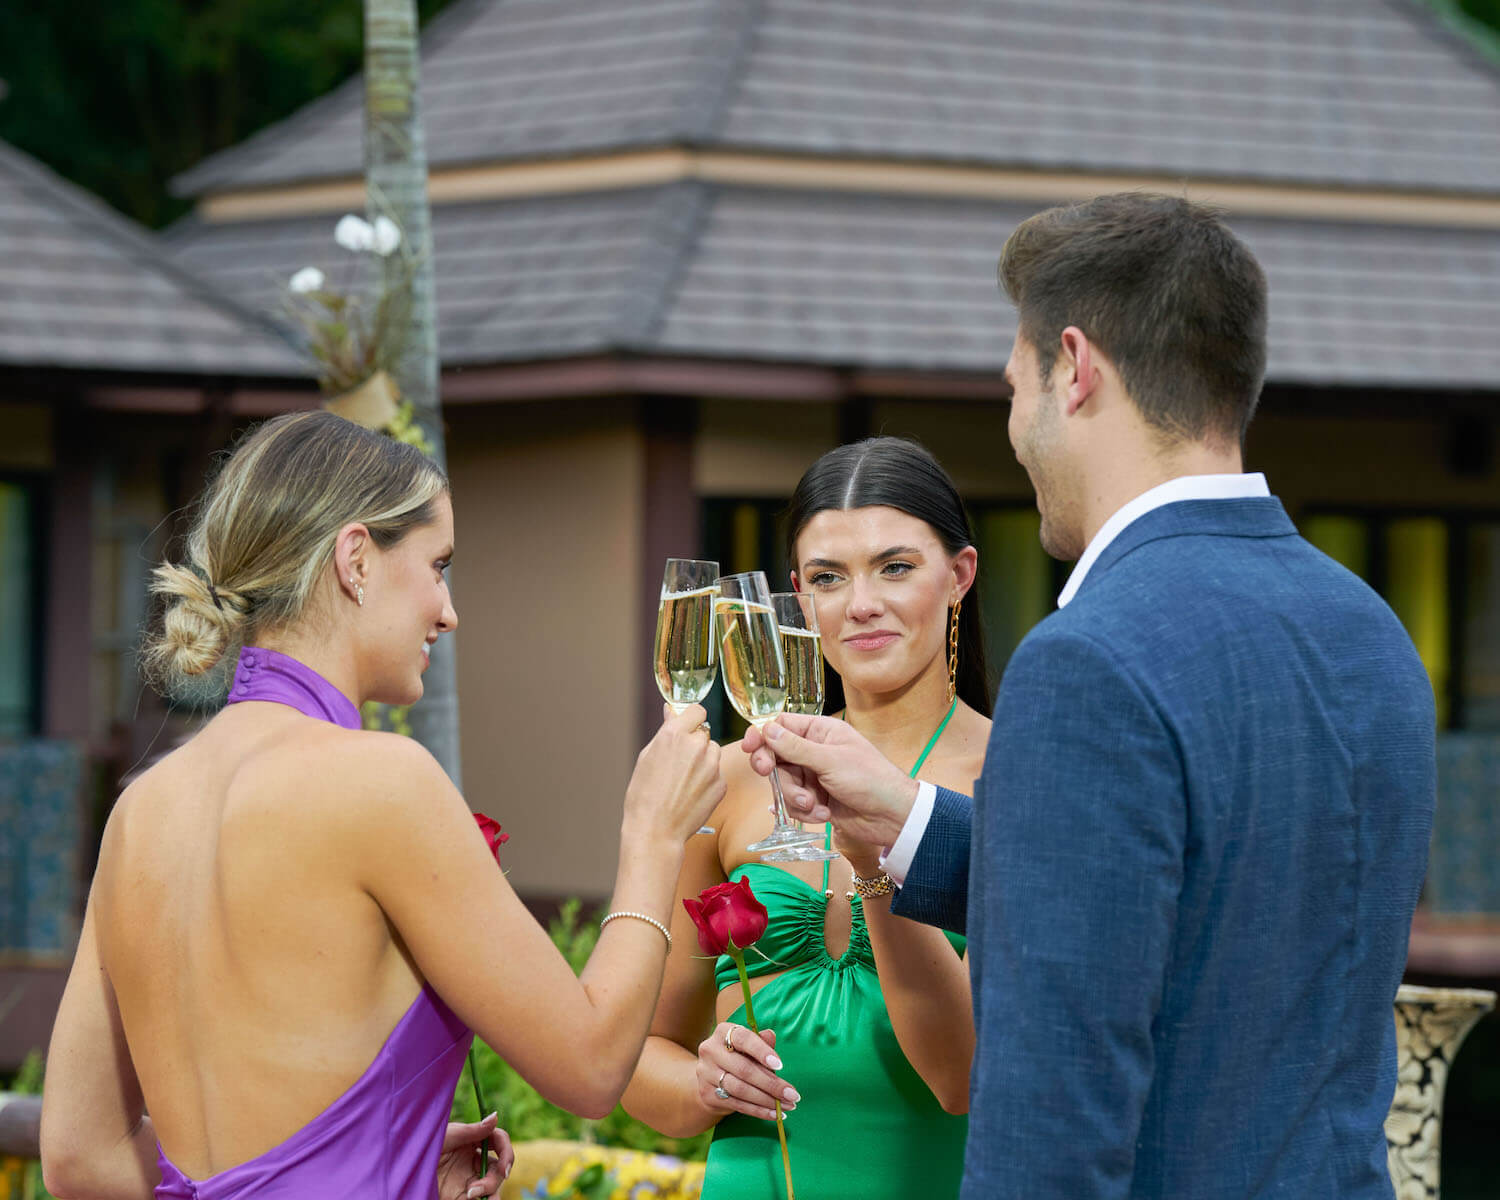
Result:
x=683 y=660
x=755 y=675
x=797 y=622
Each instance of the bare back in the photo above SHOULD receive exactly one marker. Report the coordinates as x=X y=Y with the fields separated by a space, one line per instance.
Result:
x=255 y=979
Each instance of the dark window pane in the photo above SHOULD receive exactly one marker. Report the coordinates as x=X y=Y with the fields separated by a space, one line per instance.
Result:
x=1481 y=670
x=17 y=619
x=1015 y=579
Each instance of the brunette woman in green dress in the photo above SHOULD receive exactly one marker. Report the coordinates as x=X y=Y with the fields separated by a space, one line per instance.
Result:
x=867 y=1020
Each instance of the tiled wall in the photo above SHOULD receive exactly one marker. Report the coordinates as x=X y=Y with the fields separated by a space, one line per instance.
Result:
x=40 y=830
x=1463 y=870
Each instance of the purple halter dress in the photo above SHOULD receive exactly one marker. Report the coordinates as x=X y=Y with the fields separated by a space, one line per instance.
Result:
x=381 y=1139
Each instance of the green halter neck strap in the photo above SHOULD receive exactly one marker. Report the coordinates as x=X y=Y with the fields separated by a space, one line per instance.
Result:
x=916 y=766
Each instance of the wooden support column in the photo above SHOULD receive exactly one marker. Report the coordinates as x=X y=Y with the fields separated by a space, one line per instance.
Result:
x=66 y=696
x=670 y=522
x=856 y=416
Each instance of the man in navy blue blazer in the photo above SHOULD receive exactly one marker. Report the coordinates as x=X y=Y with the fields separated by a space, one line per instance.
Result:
x=1189 y=868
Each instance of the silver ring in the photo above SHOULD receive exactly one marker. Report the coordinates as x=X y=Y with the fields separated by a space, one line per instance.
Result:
x=721 y=1093
x=706 y=727
x=729 y=1036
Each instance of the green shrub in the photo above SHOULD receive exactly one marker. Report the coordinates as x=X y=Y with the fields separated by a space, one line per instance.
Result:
x=18 y=1178
x=524 y=1114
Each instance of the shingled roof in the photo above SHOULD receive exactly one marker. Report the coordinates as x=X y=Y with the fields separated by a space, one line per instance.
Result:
x=1367 y=95
x=1346 y=92
x=81 y=287
x=901 y=282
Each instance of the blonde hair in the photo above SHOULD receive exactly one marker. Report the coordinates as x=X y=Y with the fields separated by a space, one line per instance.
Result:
x=265 y=530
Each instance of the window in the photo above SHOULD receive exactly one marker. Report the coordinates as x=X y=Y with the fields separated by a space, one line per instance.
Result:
x=20 y=638
x=1440 y=573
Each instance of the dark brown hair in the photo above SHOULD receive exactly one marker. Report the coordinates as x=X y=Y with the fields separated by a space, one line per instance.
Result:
x=902 y=475
x=1173 y=299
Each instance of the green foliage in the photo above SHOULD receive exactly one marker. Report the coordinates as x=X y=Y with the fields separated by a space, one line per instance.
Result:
x=1478 y=21
x=591 y=1183
x=395 y=718
x=19 y=1178
x=1487 y=12
x=524 y=1114
x=28 y=1080
x=404 y=428
x=120 y=95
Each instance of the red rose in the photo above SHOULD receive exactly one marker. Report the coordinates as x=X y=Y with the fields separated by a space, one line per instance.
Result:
x=727 y=914
x=491 y=830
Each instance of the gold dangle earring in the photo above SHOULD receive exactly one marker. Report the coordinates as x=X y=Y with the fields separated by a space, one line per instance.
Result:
x=953 y=651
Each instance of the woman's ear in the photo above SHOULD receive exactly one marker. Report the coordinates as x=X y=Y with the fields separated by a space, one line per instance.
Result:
x=965 y=567
x=796 y=582
x=351 y=551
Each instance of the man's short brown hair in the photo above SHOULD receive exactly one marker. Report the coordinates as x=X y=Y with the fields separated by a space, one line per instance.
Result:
x=1173 y=299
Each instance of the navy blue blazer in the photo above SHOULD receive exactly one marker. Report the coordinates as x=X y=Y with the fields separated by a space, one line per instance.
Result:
x=1196 y=848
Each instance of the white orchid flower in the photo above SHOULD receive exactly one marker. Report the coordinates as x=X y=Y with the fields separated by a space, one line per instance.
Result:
x=387 y=236
x=354 y=233
x=309 y=279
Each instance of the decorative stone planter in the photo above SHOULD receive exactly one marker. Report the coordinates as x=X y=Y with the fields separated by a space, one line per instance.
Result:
x=371 y=404
x=1431 y=1024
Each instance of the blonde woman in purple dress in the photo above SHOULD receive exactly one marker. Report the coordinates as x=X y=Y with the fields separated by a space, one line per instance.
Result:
x=295 y=924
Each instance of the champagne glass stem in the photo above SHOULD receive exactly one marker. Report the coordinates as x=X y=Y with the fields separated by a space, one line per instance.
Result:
x=681 y=708
x=781 y=817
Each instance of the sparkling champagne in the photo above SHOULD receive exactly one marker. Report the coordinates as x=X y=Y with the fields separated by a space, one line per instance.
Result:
x=685 y=646
x=804 y=670
x=750 y=650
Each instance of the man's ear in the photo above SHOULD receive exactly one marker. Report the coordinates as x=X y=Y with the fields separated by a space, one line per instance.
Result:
x=1080 y=378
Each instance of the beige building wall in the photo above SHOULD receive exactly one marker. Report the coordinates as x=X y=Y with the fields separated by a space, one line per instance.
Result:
x=547 y=515
x=759 y=449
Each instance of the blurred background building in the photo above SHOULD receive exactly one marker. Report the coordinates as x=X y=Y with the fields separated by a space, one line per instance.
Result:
x=682 y=248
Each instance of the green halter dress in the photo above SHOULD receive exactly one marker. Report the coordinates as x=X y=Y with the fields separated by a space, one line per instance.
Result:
x=866 y=1124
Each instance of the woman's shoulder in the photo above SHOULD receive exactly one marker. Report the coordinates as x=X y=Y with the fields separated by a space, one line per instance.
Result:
x=372 y=767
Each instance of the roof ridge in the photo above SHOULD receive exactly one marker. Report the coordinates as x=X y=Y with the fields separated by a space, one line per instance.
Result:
x=677 y=225
x=707 y=105
x=140 y=246
x=223 y=165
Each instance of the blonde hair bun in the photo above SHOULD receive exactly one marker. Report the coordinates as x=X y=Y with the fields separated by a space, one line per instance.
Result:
x=264 y=535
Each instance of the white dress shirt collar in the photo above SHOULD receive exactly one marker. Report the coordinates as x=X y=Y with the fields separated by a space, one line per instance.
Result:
x=1184 y=487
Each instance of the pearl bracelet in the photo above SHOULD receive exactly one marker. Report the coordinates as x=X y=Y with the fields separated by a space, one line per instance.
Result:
x=640 y=916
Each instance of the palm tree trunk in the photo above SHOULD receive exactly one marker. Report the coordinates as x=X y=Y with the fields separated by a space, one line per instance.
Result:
x=396 y=187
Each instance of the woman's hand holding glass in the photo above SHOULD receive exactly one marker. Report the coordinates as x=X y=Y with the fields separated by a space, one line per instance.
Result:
x=742 y=1063
x=676 y=782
